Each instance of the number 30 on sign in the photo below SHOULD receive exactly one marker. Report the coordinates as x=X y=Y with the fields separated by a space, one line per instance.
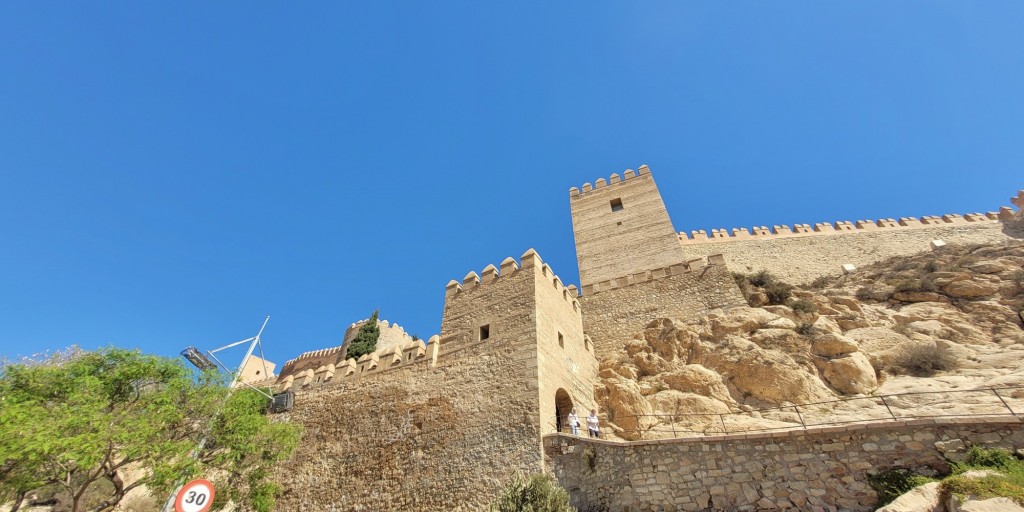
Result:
x=196 y=496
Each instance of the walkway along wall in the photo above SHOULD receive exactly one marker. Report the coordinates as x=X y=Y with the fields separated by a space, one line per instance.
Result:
x=803 y=470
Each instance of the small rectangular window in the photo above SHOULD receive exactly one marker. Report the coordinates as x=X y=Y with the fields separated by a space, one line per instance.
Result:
x=616 y=204
x=485 y=332
x=561 y=340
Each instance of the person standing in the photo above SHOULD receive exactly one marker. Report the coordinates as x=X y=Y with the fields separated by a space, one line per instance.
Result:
x=574 y=422
x=592 y=425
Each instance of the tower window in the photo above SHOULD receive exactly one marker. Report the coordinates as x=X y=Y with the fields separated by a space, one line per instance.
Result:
x=616 y=204
x=485 y=332
x=561 y=340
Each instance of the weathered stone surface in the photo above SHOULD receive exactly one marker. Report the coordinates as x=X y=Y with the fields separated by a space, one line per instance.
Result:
x=970 y=289
x=852 y=374
x=832 y=345
x=794 y=470
x=923 y=498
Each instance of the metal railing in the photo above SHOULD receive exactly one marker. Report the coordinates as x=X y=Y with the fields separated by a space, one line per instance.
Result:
x=981 y=402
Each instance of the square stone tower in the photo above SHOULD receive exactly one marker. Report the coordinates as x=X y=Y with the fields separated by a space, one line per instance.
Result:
x=534 y=324
x=622 y=227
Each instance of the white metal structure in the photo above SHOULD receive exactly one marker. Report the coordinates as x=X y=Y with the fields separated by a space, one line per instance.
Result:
x=253 y=342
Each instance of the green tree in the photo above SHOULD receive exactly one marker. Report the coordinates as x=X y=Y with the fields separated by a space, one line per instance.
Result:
x=78 y=423
x=365 y=341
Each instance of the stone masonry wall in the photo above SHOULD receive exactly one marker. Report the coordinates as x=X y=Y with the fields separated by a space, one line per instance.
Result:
x=570 y=365
x=813 y=470
x=416 y=437
x=613 y=315
x=637 y=237
x=801 y=259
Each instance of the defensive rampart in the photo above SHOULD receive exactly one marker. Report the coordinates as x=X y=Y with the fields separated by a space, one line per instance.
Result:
x=802 y=253
x=444 y=426
x=615 y=310
x=815 y=469
x=416 y=437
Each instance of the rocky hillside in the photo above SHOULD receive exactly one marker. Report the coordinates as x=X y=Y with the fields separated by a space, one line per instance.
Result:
x=946 y=320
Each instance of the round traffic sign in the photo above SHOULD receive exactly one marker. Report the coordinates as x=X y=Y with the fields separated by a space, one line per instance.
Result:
x=195 y=496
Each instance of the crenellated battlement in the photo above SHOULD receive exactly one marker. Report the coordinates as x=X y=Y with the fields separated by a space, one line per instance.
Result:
x=690 y=265
x=509 y=266
x=379 y=361
x=839 y=227
x=612 y=181
x=313 y=354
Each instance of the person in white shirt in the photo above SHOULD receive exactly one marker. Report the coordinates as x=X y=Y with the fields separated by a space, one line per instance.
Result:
x=574 y=422
x=592 y=427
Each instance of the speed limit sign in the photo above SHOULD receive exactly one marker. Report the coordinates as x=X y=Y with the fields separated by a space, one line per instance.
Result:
x=196 y=496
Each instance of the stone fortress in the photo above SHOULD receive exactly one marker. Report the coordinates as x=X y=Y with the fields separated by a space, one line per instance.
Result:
x=443 y=424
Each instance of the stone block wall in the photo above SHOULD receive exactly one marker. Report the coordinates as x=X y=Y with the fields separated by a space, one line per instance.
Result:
x=802 y=257
x=621 y=227
x=814 y=469
x=417 y=437
x=447 y=431
x=565 y=358
x=614 y=311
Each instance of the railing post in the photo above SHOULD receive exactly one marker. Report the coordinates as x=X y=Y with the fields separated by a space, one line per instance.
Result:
x=721 y=417
x=800 y=416
x=886 y=404
x=673 y=425
x=1008 y=408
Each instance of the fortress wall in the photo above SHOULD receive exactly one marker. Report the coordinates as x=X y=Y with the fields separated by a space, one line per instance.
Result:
x=571 y=365
x=610 y=242
x=311 y=361
x=442 y=438
x=801 y=259
x=795 y=470
x=614 y=311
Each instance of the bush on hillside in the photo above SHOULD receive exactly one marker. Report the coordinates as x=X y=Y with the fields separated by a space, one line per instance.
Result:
x=535 y=493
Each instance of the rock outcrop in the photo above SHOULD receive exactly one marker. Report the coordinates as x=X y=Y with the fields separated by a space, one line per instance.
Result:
x=950 y=319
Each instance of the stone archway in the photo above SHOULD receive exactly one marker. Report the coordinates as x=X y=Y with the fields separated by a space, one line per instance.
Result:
x=563 y=405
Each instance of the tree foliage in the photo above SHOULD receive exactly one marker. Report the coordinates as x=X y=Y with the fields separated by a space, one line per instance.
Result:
x=365 y=340
x=536 y=493
x=114 y=420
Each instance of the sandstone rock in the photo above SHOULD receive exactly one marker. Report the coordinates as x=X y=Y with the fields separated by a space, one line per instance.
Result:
x=786 y=340
x=851 y=303
x=852 y=374
x=781 y=323
x=677 y=402
x=624 y=403
x=832 y=345
x=740 y=321
x=989 y=505
x=919 y=297
x=695 y=378
x=928 y=311
x=945 y=278
x=970 y=289
x=883 y=346
x=988 y=267
x=765 y=374
x=923 y=498
x=783 y=311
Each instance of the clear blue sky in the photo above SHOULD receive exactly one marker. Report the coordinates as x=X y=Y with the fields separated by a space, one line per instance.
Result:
x=169 y=174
